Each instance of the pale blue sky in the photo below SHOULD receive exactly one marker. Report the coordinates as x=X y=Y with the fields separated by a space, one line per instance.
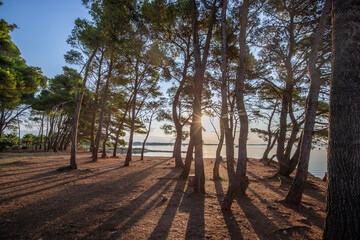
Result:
x=43 y=27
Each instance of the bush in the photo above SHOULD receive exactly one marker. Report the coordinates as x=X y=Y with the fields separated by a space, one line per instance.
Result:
x=64 y=168
x=8 y=141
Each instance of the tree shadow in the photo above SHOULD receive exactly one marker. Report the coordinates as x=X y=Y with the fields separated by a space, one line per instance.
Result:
x=310 y=215
x=231 y=224
x=71 y=179
x=52 y=210
x=262 y=225
x=128 y=215
x=163 y=226
x=195 y=205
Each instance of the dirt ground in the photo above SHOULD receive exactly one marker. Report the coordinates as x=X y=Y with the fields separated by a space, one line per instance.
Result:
x=146 y=200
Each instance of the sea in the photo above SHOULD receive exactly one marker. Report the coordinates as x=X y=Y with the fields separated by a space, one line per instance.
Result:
x=317 y=163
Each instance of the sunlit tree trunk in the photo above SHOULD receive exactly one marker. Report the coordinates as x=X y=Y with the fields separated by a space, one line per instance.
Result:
x=95 y=107
x=102 y=112
x=103 y=155
x=133 y=118
x=77 y=113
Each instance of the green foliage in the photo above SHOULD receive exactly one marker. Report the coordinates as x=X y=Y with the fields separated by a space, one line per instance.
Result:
x=28 y=139
x=60 y=92
x=16 y=78
x=8 y=141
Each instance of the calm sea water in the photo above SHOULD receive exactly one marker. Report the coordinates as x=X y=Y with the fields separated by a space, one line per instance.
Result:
x=317 y=164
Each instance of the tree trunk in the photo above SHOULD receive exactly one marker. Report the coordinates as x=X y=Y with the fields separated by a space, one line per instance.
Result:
x=103 y=155
x=178 y=126
x=239 y=185
x=218 y=158
x=283 y=164
x=133 y=118
x=56 y=140
x=77 y=114
x=200 y=66
x=102 y=112
x=120 y=126
x=93 y=117
x=40 y=132
x=146 y=137
x=189 y=157
x=50 y=134
x=19 y=143
x=297 y=187
x=343 y=201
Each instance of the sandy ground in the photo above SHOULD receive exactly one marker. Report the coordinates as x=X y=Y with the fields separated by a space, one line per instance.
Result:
x=146 y=200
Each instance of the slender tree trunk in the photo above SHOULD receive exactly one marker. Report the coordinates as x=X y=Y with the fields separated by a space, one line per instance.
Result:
x=200 y=66
x=19 y=143
x=297 y=187
x=56 y=140
x=46 y=134
x=238 y=186
x=224 y=118
x=2 y=121
x=343 y=201
x=93 y=117
x=102 y=112
x=40 y=132
x=178 y=126
x=63 y=139
x=131 y=138
x=121 y=124
x=283 y=164
x=189 y=157
x=133 y=118
x=103 y=155
x=218 y=158
x=79 y=99
x=269 y=148
x=146 y=137
x=50 y=134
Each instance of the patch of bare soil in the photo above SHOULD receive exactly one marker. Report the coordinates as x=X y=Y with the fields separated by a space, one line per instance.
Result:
x=146 y=200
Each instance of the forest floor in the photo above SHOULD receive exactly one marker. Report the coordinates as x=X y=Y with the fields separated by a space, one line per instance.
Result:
x=146 y=200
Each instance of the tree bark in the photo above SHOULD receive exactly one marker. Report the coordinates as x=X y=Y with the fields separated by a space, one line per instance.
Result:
x=297 y=187
x=103 y=155
x=121 y=124
x=146 y=137
x=189 y=157
x=79 y=99
x=343 y=201
x=102 y=112
x=178 y=126
x=218 y=158
x=93 y=117
x=200 y=66
x=40 y=132
x=132 y=124
x=58 y=135
x=239 y=185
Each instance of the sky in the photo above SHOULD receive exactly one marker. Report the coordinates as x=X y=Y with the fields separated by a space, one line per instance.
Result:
x=43 y=27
